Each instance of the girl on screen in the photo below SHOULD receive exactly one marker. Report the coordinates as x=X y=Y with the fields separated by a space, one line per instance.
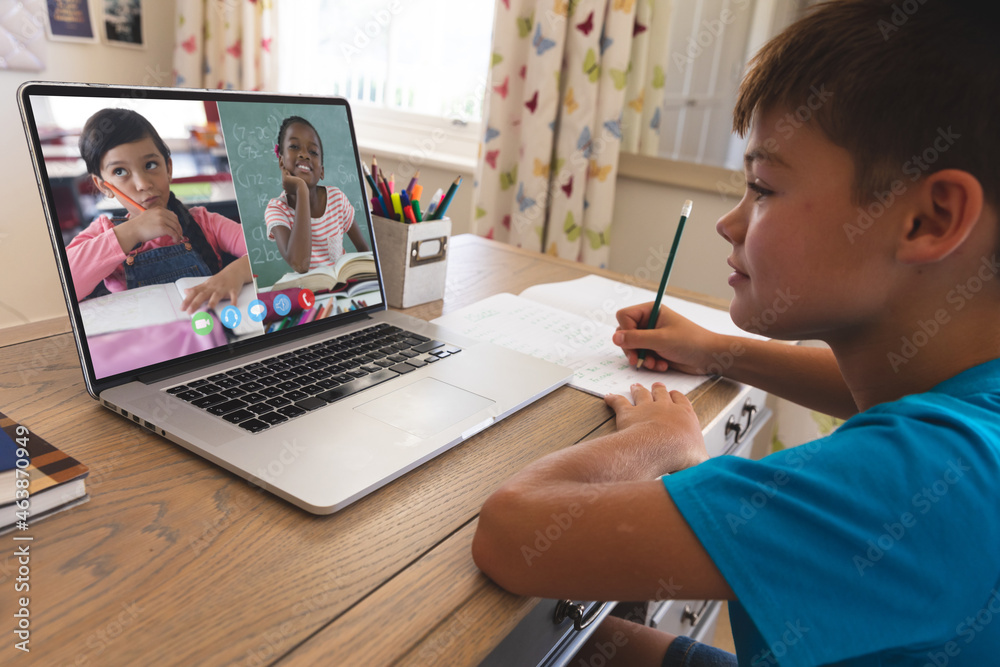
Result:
x=308 y=221
x=159 y=240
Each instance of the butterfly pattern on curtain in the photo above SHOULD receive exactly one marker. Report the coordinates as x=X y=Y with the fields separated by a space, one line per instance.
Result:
x=563 y=73
x=225 y=44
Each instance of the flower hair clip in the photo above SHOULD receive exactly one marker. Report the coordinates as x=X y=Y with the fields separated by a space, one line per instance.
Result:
x=277 y=152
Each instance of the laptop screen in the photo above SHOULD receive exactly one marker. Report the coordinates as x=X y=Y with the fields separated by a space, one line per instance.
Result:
x=188 y=221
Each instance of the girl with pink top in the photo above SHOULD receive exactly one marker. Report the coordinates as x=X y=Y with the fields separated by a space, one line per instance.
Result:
x=160 y=240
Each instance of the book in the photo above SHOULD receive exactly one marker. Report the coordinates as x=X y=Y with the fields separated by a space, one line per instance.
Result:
x=356 y=266
x=353 y=289
x=571 y=323
x=8 y=461
x=56 y=480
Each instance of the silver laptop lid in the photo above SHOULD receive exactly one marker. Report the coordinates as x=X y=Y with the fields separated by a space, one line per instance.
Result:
x=150 y=192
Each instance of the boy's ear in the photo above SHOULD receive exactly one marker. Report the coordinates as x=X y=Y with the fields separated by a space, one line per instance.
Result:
x=170 y=168
x=948 y=205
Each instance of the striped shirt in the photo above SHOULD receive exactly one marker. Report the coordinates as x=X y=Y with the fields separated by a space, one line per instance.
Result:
x=327 y=230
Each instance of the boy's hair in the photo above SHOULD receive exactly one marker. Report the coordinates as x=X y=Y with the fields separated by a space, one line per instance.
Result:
x=109 y=128
x=298 y=119
x=907 y=87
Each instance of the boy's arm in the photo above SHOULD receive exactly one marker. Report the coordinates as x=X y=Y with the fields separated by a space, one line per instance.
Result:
x=804 y=375
x=593 y=522
x=632 y=644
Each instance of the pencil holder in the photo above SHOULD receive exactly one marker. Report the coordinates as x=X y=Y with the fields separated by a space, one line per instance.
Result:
x=413 y=259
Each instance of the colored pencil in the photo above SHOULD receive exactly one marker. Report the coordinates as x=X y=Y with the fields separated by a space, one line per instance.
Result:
x=125 y=197
x=655 y=313
x=441 y=209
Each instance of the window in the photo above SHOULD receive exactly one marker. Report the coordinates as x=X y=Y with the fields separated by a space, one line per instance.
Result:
x=419 y=63
x=710 y=42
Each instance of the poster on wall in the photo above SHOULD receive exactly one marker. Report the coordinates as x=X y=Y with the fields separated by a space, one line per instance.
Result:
x=70 y=20
x=123 y=23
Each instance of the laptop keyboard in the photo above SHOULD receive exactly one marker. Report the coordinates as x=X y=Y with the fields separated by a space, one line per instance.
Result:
x=272 y=391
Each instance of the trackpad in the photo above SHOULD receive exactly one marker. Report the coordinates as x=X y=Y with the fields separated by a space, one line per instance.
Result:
x=425 y=407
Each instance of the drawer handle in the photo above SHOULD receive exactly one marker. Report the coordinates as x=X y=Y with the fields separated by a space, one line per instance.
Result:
x=566 y=609
x=748 y=412
x=693 y=616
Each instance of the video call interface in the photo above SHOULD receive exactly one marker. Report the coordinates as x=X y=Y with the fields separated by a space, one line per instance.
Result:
x=168 y=208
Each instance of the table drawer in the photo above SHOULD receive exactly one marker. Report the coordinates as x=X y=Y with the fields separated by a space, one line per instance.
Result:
x=538 y=640
x=737 y=425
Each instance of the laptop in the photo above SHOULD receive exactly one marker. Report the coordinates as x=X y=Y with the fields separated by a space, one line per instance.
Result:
x=318 y=395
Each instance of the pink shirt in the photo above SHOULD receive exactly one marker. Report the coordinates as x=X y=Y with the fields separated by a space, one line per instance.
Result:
x=327 y=230
x=95 y=254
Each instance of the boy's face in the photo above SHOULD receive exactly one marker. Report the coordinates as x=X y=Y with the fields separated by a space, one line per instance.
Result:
x=140 y=171
x=301 y=154
x=797 y=273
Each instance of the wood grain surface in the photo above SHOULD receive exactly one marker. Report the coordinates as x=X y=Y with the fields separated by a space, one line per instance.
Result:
x=174 y=561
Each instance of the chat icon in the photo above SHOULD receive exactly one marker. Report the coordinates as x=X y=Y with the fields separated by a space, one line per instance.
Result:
x=257 y=310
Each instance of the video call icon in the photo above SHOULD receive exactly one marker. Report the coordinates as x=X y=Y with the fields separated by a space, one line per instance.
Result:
x=282 y=304
x=202 y=323
x=257 y=310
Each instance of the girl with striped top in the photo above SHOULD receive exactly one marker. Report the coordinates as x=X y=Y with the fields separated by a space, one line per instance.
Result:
x=308 y=221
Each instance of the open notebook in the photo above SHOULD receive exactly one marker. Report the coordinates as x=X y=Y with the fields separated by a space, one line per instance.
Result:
x=571 y=323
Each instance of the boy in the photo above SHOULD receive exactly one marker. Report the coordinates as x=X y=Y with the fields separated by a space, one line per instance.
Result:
x=871 y=200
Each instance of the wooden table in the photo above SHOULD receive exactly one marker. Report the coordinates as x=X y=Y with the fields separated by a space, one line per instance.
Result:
x=174 y=561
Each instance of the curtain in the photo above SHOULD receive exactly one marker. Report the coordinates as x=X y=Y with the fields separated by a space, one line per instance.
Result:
x=563 y=74
x=225 y=44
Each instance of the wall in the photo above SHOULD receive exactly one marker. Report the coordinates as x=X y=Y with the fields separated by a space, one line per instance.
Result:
x=645 y=219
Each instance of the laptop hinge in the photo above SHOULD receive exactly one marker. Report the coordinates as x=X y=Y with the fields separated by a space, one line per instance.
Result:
x=183 y=367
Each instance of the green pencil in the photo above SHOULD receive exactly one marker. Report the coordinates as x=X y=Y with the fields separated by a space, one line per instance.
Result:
x=651 y=324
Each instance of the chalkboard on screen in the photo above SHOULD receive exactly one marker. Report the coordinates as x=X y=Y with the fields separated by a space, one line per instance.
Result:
x=251 y=132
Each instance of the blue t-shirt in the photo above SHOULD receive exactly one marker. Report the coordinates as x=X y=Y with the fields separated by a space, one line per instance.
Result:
x=877 y=545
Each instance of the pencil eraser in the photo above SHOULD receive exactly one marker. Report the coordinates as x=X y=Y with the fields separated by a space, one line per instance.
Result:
x=686 y=210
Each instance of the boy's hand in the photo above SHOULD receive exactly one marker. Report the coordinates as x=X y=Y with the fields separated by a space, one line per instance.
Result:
x=664 y=419
x=149 y=225
x=676 y=343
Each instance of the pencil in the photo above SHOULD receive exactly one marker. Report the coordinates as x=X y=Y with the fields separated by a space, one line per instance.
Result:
x=125 y=197
x=655 y=313
x=442 y=208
